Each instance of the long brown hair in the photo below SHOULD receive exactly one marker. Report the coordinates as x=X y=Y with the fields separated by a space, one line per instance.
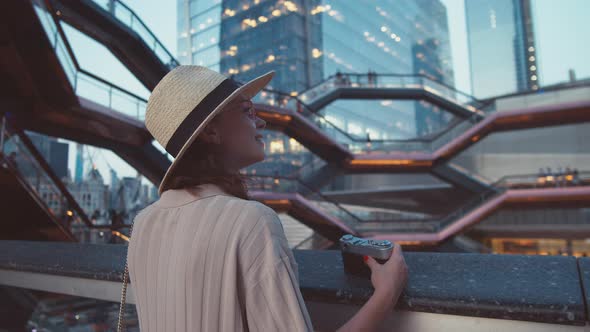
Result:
x=201 y=164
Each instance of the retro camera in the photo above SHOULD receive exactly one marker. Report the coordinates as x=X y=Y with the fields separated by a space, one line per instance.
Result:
x=354 y=248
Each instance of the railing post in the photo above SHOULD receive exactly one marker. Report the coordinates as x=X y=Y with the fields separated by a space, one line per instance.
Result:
x=111 y=6
x=110 y=97
x=55 y=40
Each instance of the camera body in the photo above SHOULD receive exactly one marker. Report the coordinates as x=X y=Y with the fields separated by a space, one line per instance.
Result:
x=354 y=248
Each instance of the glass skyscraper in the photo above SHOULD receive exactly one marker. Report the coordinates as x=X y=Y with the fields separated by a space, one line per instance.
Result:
x=306 y=41
x=501 y=47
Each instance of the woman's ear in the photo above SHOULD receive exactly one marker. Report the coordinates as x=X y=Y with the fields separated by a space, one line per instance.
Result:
x=211 y=134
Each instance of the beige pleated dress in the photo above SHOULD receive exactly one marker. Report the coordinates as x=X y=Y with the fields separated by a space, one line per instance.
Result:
x=210 y=261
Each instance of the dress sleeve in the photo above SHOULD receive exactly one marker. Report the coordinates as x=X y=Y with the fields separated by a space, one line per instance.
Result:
x=273 y=299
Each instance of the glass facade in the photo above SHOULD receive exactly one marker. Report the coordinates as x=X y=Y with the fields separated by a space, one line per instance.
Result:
x=308 y=41
x=501 y=47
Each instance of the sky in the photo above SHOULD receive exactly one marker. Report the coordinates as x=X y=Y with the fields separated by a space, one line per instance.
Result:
x=561 y=27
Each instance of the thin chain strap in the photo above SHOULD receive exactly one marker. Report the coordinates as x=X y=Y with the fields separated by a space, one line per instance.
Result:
x=120 y=324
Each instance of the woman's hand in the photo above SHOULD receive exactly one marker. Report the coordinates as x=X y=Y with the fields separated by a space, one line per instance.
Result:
x=389 y=279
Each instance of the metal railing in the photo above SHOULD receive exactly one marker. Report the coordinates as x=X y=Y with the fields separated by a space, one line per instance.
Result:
x=83 y=83
x=20 y=155
x=121 y=12
x=362 y=144
x=281 y=184
x=356 y=80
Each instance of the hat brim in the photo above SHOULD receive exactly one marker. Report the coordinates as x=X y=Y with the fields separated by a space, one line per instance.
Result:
x=250 y=89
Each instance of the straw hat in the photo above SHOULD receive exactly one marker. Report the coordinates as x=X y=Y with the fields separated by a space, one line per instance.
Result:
x=185 y=100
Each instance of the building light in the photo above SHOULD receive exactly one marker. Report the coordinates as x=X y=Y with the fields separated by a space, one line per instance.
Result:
x=276 y=12
x=295 y=146
x=233 y=71
x=383 y=28
x=534 y=77
x=535 y=87
x=381 y=44
x=293 y=93
x=531 y=49
x=290 y=6
x=277 y=146
x=245 y=7
x=233 y=48
x=270 y=59
x=319 y=9
x=531 y=58
x=393 y=35
x=263 y=19
x=245 y=67
x=69 y=213
x=332 y=12
x=533 y=68
x=229 y=12
x=366 y=34
x=398 y=39
x=249 y=22
x=316 y=53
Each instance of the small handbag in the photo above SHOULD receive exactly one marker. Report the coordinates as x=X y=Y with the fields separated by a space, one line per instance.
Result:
x=120 y=324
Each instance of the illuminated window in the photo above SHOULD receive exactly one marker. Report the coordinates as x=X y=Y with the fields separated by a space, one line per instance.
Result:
x=229 y=12
x=277 y=146
x=295 y=146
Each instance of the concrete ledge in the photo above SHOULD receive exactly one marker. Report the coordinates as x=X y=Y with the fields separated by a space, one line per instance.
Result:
x=544 y=289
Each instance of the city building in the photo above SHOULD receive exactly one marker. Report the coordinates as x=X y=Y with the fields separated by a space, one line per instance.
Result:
x=308 y=41
x=54 y=152
x=92 y=196
x=501 y=45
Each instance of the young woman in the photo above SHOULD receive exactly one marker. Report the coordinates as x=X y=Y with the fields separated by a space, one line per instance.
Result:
x=204 y=257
